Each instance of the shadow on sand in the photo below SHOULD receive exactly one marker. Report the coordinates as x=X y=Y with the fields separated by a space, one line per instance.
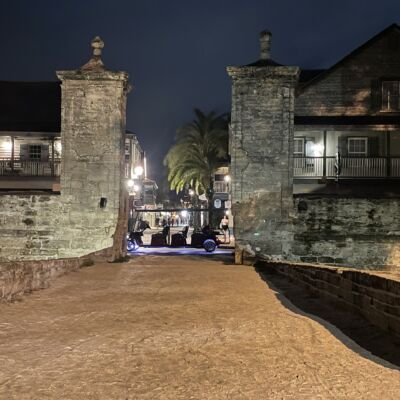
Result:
x=350 y=328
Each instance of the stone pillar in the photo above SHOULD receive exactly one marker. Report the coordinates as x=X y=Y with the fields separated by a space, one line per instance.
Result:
x=261 y=148
x=92 y=137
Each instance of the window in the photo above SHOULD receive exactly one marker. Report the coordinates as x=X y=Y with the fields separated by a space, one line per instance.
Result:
x=391 y=96
x=35 y=152
x=357 y=146
x=298 y=148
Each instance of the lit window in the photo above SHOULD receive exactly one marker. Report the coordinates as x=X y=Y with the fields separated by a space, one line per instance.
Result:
x=298 y=147
x=390 y=96
x=35 y=152
x=357 y=146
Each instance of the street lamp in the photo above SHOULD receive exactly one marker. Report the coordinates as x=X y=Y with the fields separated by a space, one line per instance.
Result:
x=191 y=192
x=227 y=178
x=130 y=183
x=138 y=171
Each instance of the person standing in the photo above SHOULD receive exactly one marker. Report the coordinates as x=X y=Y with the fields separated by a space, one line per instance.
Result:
x=224 y=225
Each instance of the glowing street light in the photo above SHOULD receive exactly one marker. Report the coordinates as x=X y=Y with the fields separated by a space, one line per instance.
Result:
x=227 y=178
x=191 y=192
x=130 y=183
x=138 y=170
x=184 y=213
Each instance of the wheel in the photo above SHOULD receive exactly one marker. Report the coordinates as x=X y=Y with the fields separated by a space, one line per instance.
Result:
x=209 y=245
x=132 y=245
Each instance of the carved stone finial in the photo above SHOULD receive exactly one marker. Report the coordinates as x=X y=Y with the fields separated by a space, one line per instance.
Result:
x=97 y=45
x=265 y=44
x=95 y=63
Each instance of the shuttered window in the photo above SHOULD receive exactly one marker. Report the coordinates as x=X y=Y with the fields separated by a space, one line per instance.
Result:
x=390 y=96
x=357 y=146
x=35 y=151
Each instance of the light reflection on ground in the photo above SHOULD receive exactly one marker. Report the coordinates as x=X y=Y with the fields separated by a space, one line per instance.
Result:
x=146 y=250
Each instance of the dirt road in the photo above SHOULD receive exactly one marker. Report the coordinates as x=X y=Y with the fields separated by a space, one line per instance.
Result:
x=164 y=327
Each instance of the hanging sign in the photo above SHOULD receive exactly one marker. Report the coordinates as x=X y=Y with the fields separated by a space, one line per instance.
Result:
x=217 y=203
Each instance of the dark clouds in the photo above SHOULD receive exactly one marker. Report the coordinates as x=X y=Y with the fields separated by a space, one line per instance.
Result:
x=176 y=51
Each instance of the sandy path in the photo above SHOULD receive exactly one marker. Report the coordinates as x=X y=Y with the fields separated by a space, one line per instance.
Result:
x=176 y=328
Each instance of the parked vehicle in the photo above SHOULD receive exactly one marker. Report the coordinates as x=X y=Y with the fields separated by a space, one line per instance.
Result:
x=206 y=238
x=134 y=238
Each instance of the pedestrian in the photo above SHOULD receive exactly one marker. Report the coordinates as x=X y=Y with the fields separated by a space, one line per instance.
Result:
x=224 y=225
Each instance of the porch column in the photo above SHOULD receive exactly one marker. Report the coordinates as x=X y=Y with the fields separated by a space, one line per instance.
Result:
x=324 y=159
x=52 y=157
x=12 y=153
x=388 y=159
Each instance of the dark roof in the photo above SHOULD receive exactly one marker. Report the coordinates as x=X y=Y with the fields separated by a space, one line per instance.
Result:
x=390 y=28
x=30 y=106
x=348 y=120
x=308 y=74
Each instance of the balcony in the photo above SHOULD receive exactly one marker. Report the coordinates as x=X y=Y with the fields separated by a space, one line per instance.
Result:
x=221 y=187
x=29 y=168
x=346 y=167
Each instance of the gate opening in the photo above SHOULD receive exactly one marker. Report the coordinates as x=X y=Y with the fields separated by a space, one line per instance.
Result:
x=179 y=231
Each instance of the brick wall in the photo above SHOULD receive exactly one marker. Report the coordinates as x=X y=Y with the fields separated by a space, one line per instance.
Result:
x=377 y=298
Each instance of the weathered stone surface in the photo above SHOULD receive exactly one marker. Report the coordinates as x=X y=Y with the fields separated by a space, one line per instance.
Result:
x=376 y=297
x=261 y=141
x=269 y=221
x=92 y=133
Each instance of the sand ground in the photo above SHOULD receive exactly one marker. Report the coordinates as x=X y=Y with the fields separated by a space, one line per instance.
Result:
x=162 y=327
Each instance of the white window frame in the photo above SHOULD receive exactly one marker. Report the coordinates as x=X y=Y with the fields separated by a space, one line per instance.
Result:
x=296 y=153
x=38 y=153
x=357 y=154
x=386 y=98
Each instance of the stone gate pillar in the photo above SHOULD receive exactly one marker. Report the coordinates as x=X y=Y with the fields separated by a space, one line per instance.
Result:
x=92 y=137
x=261 y=148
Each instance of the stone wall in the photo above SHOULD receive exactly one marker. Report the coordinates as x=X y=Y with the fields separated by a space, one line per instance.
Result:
x=377 y=298
x=349 y=231
x=261 y=140
x=18 y=278
x=357 y=232
x=39 y=227
x=90 y=214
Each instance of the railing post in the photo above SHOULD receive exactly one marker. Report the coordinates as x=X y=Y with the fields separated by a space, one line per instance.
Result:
x=12 y=153
x=324 y=159
x=388 y=160
x=52 y=158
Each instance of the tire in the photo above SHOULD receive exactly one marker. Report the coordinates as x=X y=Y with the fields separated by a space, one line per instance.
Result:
x=132 y=245
x=209 y=245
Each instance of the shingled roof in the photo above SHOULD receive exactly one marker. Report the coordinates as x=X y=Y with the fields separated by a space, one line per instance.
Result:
x=323 y=73
x=30 y=106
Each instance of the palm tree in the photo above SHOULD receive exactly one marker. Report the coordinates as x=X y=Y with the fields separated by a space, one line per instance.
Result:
x=200 y=147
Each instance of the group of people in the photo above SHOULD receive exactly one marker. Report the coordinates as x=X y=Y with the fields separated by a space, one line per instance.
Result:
x=170 y=221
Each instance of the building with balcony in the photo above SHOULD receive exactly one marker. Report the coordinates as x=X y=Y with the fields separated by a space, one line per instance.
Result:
x=30 y=145
x=347 y=118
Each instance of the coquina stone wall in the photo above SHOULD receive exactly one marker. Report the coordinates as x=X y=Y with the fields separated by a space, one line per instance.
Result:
x=90 y=214
x=268 y=220
x=376 y=297
x=38 y=227
x=348 y=231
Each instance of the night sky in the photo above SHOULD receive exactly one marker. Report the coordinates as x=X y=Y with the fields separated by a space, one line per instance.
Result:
x=176 y=51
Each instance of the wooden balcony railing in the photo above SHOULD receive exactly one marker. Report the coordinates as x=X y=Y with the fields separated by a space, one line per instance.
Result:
x=221 y=187
x=19 y=167
x=346 y=167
